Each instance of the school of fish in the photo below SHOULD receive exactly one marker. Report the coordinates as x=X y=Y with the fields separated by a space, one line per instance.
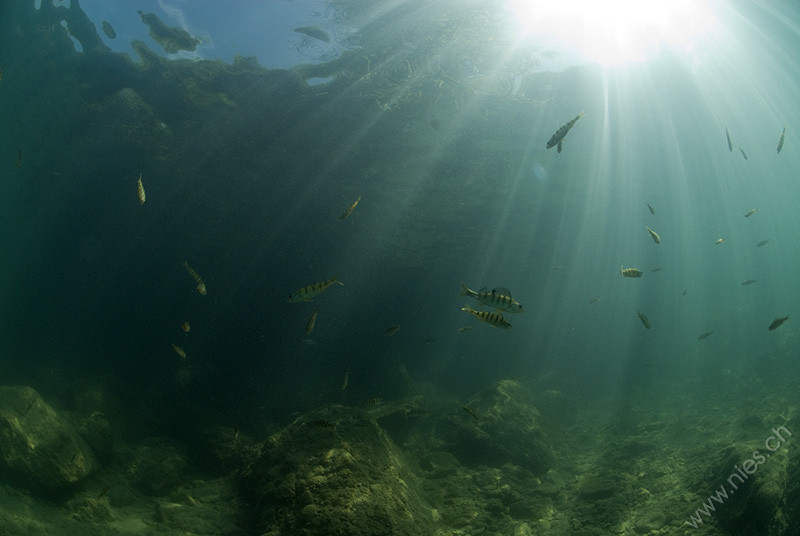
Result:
x=498 y=299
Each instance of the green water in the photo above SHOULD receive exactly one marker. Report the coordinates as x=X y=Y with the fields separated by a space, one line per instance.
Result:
x=436 y=118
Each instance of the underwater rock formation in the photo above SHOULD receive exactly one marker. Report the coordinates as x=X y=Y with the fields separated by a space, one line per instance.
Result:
x=499 y=425
x=755 y=503
x=336 y=473
x=38 y=448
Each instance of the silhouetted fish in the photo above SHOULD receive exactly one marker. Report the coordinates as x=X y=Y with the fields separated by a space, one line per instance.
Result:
x=109 y=30
x=778 y=322
x=558 y=138
x=313 y=31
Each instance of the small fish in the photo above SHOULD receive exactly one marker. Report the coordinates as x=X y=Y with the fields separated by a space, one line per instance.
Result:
x=653 y=235
x=594 y=299
x=19 y=158
x=644 y=319
x=630 y=272
x=777 y=323
x=465 y=329
x=429 y=340
x=312 y=321
x=310 y=291
x=186 y=327
x=469 y=412
x=499 y=298
x=108 y=30
x=140 y=190
x=762 y=243
x=780 y=141
x=650 y=208
x=179 y=351
x=201 y=285
x=720 y=241
x=683 y=293
x=748 y=282
x=391 y=331
x=322 y=423
x=494 y=319
x=654 y=270
x=750 y=212
x=313 y=31
x=558 y=138
x=349 y=210
x=309 y=342
x=730 y=145
x=704 y=335
x=346 y=380
x=744 y=154
x=375 y=401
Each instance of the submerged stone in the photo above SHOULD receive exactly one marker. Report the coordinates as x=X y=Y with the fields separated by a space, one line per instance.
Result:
x=350 y=479
x=38 y=447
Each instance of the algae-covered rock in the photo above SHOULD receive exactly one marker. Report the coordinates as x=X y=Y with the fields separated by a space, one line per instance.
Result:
x=336 y=473
x=792 y=493
x=499 y=425
x=38 y=447
x=156 y=467
x=754 y=482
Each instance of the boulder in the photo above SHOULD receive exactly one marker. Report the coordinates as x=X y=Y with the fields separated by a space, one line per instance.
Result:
x=499 y=425
x=336 y=472
x=755 y=482
x=39 y=449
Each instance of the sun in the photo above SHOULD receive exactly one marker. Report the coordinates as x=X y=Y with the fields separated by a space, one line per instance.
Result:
x=613 y=32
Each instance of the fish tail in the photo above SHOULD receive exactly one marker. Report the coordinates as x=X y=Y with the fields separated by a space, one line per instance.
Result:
x=466 y=291
x=336 y=280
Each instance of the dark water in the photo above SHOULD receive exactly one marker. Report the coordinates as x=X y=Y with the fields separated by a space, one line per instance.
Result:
x=247 y=171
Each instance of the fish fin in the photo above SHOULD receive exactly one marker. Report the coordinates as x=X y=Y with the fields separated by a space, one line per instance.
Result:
x=465 y=290
x=484 y=289
x=502 y=291
x=558 y=147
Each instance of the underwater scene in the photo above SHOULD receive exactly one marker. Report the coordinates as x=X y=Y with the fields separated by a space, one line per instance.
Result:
x=400 y=267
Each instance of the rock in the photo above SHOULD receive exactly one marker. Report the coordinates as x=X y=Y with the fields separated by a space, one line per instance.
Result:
x=202 y=508
x=755 y=482
x=96 y=431
x=336 y=472
x=497 y=426
x=38 y=447
x=650 y=521
x=156 y=467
